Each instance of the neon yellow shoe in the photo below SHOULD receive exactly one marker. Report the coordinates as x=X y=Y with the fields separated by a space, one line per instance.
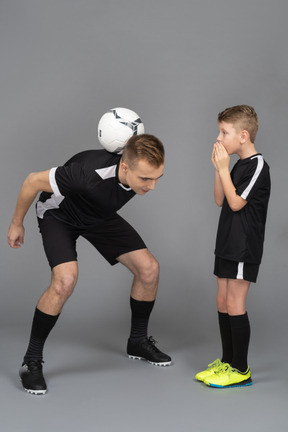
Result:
x=212 y=367
x=226 y=376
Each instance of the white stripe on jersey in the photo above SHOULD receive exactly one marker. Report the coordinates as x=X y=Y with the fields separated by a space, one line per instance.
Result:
x=106 y=173
x=54 y=185
x=54 y=201
x=109 y=172
x=240 y=270
x=260 y=165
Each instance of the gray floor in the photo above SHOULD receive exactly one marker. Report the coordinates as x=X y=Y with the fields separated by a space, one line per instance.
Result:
x=94 y=386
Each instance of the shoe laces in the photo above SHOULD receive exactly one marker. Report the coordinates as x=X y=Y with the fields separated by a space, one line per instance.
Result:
x=224 y=368
x=34 y=366
x=152 y=343
x=216 y=364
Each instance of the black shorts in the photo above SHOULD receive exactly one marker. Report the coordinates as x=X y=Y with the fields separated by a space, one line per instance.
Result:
x=111 y=238
x=235 y=270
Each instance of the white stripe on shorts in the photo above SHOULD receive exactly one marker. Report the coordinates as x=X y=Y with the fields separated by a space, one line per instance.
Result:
x=240 y=270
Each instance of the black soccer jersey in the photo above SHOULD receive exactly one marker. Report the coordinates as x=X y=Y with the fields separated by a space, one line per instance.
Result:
x=240 y=235
x=86 y=190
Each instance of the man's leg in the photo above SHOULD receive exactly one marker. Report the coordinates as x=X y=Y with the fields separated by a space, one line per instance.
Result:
x=145 y=269
x=49 y=307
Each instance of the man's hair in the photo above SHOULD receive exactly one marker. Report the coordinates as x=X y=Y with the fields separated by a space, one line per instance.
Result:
x=146 y=147
x=243 y=117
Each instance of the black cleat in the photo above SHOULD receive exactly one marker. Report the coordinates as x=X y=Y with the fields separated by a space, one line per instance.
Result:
x=32 y=377
x=146 y=350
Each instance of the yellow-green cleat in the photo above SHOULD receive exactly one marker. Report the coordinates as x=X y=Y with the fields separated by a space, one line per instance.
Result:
x=226 y=376
x=212 y=367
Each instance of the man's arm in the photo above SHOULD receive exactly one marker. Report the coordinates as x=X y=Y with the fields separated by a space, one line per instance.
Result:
x=222 y=160
x=34 y=183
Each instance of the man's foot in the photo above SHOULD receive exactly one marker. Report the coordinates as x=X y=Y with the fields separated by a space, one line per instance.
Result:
x=146 y=350
x=226 y=376
x=32 y=377
x=212 y=367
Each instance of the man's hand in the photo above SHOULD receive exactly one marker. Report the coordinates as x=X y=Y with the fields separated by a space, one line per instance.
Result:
x=16 y=235
x=220 y=157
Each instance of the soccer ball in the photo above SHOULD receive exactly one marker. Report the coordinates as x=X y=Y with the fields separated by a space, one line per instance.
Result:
x=115 y=128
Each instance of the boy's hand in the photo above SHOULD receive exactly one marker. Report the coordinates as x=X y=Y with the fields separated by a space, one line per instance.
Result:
x=213 y=157
x=220 y=157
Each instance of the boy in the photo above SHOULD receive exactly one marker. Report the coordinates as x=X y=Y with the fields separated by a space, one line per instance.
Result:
x=81 y=198
x=243 y=196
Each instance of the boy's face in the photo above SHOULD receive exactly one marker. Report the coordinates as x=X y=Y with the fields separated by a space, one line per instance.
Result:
x=230 y=137
x=142 y=177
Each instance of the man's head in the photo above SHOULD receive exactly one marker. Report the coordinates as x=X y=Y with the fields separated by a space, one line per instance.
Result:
x=142 y=163
x=242 y=118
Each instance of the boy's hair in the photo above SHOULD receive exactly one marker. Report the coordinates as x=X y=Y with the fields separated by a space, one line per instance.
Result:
x=242 y=116
x=146 y=147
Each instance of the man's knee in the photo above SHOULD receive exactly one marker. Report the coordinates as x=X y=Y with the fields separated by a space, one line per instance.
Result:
x=148 y=270
x=63 y=282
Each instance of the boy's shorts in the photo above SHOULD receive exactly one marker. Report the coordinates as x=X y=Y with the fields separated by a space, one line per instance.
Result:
x=112 y=238
x=235 y=270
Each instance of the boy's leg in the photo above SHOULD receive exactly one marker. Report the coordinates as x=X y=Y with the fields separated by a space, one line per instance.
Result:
x=224 y=321
x=240 y=326
x=237 y=373
x=145 y=269
x=225 y=332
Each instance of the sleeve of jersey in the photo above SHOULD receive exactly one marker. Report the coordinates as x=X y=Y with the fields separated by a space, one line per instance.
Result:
x=67 y=180
x=252 y=179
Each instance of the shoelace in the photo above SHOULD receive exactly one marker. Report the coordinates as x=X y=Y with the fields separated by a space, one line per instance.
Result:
x=34 y=366
x=216 y=364
x=152 y=343
x=226 y=367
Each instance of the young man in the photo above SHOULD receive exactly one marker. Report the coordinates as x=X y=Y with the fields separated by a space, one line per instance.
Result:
x=243 y=196
x=81 y=198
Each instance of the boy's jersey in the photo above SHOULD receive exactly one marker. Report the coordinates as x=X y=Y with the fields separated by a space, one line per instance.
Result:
x=240 y=235
x=86 y=190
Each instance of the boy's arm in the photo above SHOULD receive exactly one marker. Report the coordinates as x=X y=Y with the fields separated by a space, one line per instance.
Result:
x=34 y=183
x=218 y=188
x=222 y=160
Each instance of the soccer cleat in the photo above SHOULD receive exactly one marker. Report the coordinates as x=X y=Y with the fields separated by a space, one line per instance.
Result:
x=146 y=350
x=226 y=376
x=212 y=367
x=32 y=377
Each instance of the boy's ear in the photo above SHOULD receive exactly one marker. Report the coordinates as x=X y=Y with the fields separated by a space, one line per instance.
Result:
x=244 y=136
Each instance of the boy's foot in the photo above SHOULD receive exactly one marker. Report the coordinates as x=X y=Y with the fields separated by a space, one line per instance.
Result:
x=146 y=350
x=226 y=376
x=32 y=377
x=212 y=367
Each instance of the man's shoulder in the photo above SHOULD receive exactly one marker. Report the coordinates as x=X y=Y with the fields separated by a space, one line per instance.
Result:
x=94 y=159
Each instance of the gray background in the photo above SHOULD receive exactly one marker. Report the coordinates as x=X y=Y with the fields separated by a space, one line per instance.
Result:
x=177 y=64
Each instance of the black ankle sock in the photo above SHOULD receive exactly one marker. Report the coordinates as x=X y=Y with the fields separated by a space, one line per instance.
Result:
x=240 y=329
x=226 y=337
x=141 y=311
x=41 y=326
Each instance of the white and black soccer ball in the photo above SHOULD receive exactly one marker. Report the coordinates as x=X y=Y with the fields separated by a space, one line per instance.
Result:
x=115 y=128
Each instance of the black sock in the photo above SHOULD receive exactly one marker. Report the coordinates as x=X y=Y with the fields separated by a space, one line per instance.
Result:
x=41 y=326
x=141 y=311
x=226 y=337
x=240 y=328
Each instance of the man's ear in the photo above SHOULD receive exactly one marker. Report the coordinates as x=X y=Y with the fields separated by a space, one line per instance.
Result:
x=124 y=167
